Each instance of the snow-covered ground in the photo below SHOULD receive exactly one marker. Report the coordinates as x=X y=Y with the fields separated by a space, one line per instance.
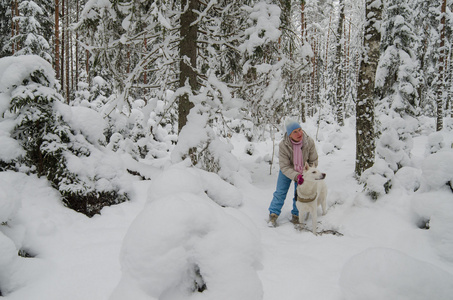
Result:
x=173 y=232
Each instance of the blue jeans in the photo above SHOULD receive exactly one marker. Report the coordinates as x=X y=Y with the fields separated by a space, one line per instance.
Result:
x=283 y=184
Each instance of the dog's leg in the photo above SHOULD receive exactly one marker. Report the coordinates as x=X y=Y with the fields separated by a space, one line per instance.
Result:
x=323 y=205
x=323 y=196
x=300 y=208
x=314 y=220
x=300 y=226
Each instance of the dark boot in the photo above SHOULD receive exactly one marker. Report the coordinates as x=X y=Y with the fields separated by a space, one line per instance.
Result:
x=272 y=220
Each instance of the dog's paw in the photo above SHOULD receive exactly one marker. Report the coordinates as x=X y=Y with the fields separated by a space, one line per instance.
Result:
x=299 y=227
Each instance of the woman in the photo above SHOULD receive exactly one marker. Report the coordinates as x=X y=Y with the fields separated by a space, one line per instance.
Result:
x=295 y=149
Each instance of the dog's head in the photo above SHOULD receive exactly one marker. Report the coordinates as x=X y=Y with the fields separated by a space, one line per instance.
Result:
x=311 y=173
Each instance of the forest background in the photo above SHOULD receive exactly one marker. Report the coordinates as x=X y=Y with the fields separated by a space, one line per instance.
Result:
x=162 y=70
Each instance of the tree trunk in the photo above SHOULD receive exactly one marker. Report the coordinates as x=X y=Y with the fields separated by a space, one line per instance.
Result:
x=304 y=99
x=77 y=49
x=16 y=14
x=87 y=64
x=340 y=90
x=303 y=24
x=188 y=54
x=57 y=39
x=365 y=133
x=67 y=51
x=347 y=71
x=326 y=64
x=188 y=51
x=13 y=25
x=63 y=29
x=145 y=78
x=440 y=77
x=450 y=85
x=313 y=81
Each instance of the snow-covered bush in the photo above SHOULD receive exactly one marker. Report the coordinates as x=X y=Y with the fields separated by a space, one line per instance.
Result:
x=198 y=141
x=448 y=124
x=393 y=150
x=250 y=148
x=426 y=125
x=268 y=158
x=435 y=143
x=408 y=178
x=57 y=141
x=377 y=179
x=395 y=143
x=145 y=132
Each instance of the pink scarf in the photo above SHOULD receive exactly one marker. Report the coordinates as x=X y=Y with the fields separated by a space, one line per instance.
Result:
x=298 y=158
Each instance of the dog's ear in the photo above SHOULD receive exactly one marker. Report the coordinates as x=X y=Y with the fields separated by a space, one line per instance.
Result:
x=306 y=167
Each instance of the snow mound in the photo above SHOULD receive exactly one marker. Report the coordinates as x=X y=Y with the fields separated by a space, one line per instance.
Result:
x=407 y=178
x=185 y=246
x=9 y=201
x=437 y=170
x=337 y=139
x=199 y=244
x=435 y=143
x=8 y=258
x=328 y=148
x=382 y=273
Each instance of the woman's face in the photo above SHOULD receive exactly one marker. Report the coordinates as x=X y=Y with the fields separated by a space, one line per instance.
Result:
x=296 y=135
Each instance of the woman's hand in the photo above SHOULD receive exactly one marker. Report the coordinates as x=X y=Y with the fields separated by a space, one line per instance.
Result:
x=300 y=179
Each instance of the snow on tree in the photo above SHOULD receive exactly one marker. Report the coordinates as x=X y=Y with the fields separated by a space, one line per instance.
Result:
x=397 y=84
x=58 y=142
x=396 y=76
x=31 y=36
x=216 y=103
x=393 y=151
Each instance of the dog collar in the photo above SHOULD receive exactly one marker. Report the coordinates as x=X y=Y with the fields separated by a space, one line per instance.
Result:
x=306 y=200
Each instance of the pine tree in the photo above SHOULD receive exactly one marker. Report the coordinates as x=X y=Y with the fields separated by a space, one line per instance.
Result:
x=32 y=34
x=427 y=17
x=49 y=143
x=100 y=31
x=5 y=28
x=397 y=77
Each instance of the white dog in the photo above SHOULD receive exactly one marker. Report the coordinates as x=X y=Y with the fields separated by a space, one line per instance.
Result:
x=311 y=194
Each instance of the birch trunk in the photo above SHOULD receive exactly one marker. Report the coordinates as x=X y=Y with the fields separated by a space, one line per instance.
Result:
x=440 y=78
x=338 y=68
x=365 y=132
